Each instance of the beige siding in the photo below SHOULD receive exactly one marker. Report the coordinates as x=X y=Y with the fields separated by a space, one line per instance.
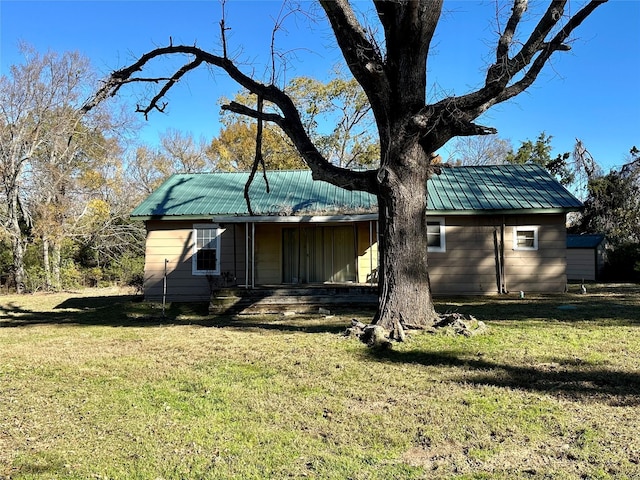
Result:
x=469 y=264
x=367 y=251
x=581 y=264
x=268 y=254
x=173 y=241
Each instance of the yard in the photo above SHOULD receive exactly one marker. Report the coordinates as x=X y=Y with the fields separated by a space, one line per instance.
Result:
x=97 y=384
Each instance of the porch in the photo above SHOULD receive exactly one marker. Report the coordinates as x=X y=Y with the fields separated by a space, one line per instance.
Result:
x=323 y=298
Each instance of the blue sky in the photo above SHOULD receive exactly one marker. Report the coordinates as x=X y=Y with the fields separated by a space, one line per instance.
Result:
x=590 y=93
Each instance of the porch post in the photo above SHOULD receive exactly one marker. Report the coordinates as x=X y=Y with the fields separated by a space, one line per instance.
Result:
x=246 y=255
x=253 y=255
x=371 y=252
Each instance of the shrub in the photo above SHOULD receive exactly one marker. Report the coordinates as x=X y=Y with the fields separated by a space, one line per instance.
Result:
x=623 y=263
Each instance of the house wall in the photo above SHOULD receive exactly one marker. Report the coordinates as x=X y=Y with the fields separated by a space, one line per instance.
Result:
x=268 y=251
x=367 y=251
x=468 y=266
x=173 y=241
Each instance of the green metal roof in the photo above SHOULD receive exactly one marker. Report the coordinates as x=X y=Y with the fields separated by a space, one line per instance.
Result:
x=458 y=190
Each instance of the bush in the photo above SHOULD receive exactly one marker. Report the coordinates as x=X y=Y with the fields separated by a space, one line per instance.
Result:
x=623 y=263
x=128 y=270
x=34 y=279
x=70 y=276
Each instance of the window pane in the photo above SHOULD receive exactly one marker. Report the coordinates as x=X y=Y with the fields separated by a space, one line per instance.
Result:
x=206 y=259
x=433 y=234
x=526 y=238
x=206 y=238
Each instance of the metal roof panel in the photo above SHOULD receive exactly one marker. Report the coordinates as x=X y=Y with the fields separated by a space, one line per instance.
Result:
x=504 y=188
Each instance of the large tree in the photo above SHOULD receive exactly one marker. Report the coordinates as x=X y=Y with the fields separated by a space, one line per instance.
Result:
x=390 y=64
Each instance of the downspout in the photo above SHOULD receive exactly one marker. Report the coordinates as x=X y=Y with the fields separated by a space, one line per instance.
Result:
x=503 y=273
x=496 y=251
x=164 y=287
x=370 y=252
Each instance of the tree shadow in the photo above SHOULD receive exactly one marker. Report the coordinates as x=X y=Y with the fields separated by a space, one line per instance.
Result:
x=112 y=311
x=616 y=304
x=299 y=324
x=133 y=311
x=573 y=380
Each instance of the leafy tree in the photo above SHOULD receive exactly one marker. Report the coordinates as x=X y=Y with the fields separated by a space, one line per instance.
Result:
x=612 y=206
x=390 y=64
x=340 y=103
x=539 y=152
x=235 y=147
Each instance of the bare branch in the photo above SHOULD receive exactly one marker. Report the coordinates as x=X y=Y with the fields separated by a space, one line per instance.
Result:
x=258 y=160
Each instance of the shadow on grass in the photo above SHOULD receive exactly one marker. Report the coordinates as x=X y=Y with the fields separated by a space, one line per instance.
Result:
x=617 y=304
x=301 y=323
x=571 y=380
x=114 y=311
x=133 y=311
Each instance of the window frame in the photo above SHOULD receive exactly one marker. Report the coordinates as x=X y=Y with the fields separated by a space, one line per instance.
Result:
x=525 y=228
x=194 y=258
x=443 y=244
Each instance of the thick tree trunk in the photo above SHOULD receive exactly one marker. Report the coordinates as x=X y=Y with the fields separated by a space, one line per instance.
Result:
x=405 y=291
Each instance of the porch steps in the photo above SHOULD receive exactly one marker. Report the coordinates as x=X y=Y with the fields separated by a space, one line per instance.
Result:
x=298 y=300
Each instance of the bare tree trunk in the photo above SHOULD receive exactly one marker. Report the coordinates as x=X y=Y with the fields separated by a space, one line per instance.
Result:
x=46 y=265
x=405 y=290
x=55 y=265
x=17 y=245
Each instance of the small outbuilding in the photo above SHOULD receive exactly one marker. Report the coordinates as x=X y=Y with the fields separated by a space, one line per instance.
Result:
x=491 y=229
x=586 y=256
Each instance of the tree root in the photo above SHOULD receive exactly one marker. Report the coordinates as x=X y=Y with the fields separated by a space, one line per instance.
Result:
x=375 y=336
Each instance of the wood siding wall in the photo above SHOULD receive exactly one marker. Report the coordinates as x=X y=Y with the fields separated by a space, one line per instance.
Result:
x=468 y=266
x=173 y=241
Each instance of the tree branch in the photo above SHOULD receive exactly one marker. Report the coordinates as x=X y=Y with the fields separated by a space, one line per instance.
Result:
x=289 y=121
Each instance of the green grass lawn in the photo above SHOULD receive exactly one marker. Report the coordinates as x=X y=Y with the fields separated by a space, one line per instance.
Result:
x=97 y=384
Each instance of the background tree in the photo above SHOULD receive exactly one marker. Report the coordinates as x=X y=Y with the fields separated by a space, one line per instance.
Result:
x=336 y=115
x=187 y=155
x=539 y=153
x=235 y=146
x=390 y=64
x=480 y=150
x=612 y=208
x=32 y=99
x=51 y=153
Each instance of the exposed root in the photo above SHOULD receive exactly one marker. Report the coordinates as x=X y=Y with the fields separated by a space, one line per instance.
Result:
x=375 y=336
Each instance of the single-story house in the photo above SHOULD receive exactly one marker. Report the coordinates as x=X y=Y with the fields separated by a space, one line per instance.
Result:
x=491 y=229
x=586 y=256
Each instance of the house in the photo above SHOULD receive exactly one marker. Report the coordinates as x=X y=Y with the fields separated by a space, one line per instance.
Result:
x=491 y=229
x=586 y=256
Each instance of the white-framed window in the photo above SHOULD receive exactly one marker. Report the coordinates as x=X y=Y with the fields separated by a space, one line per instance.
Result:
x=525 y=238
x=206 y=249
x=435 y=234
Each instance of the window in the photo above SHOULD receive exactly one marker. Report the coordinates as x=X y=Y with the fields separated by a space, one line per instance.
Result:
x=525 y=238
x=435 y=235
x=206 y=250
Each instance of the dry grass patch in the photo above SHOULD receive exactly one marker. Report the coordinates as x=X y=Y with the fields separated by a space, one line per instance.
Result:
x=97 y=384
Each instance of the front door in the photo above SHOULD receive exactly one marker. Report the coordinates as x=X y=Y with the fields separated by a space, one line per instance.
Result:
x=318 y=254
